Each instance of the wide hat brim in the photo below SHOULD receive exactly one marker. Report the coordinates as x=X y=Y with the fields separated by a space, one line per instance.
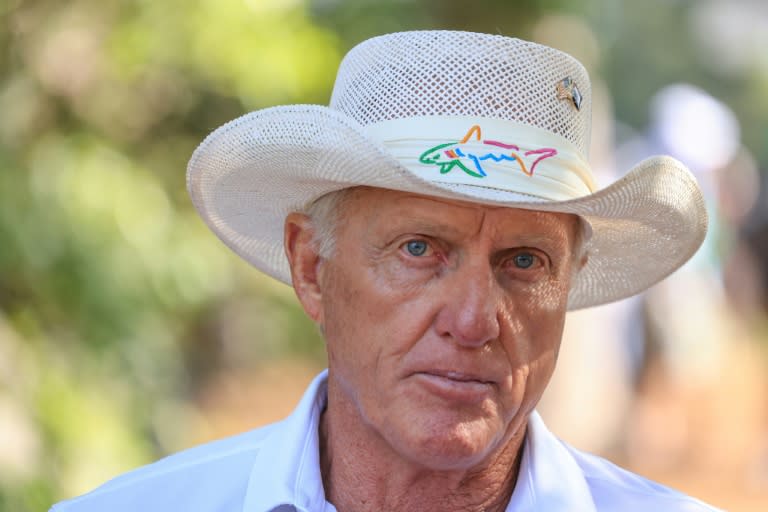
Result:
x=249 y=174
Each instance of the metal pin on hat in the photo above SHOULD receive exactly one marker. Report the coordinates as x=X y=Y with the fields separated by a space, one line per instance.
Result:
x=567 y=90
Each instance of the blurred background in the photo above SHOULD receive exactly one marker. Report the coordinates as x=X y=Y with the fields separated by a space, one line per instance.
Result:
x=127 y=331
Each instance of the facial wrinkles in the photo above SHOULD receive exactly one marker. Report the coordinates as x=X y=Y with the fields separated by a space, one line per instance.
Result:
x=393 y=286
x=513 y=311
x=343 y=290
x=480 y=227
x=547 y=292
x=445 y=229
x=383 y=304
x=536 y=304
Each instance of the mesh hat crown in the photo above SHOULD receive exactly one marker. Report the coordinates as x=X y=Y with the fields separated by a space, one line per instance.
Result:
x=473 y=117
x=445 y=73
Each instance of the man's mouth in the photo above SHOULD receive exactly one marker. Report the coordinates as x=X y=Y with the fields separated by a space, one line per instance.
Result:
x=456 y=385
x=457 y=376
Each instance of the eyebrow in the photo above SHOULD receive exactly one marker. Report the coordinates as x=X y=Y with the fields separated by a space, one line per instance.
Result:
x=523 y=238
x=418 y=224
x=432 y=223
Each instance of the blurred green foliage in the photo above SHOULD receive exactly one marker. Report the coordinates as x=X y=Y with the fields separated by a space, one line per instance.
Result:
x=116 y=303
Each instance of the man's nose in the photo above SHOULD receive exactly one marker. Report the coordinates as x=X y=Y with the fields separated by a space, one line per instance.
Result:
x=471 y=306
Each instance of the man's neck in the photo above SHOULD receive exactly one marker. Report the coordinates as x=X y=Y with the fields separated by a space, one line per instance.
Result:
x=361 y=473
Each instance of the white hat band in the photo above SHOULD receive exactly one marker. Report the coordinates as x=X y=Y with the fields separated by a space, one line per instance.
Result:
x=484 y=152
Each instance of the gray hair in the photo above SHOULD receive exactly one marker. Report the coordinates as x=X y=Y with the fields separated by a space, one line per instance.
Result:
x=324 y=213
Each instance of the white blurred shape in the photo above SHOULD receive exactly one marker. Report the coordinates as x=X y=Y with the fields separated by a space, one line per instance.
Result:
x=694 y=127
x=732 y=35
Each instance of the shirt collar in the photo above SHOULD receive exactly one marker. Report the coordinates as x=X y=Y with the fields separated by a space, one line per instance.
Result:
x=286 y=470
x=549 y=478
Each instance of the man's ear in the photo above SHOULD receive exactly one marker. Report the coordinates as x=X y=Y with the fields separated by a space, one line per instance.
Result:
x=305 y=263
x=584 y=259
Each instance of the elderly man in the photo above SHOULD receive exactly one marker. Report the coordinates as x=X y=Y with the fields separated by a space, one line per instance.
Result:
x=436 y=222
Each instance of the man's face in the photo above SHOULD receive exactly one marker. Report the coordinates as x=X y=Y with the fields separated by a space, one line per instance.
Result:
x=443 y=320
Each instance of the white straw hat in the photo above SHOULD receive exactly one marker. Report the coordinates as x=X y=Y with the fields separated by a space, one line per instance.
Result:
x=473 y=117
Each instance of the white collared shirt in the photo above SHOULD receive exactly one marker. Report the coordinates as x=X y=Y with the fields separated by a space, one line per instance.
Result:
x=277 y=469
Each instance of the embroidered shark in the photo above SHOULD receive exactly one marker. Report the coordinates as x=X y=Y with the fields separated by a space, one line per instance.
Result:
x=468 y=159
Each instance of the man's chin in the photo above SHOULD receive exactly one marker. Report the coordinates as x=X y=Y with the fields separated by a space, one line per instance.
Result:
x=449 y=446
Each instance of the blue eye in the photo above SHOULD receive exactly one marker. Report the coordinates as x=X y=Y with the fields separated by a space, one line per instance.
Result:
x=524 y=260
x=416 y=247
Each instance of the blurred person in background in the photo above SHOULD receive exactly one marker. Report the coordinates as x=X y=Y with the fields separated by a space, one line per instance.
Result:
x=436 y=222
x=682 y=360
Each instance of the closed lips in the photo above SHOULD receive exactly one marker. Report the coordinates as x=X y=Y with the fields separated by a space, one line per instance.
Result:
x=456 y=376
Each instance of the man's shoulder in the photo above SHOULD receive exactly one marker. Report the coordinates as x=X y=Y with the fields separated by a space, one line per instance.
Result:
x=194 y=479
x=613 y=486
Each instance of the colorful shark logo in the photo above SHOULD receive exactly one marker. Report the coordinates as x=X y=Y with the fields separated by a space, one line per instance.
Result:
x=468 y=159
